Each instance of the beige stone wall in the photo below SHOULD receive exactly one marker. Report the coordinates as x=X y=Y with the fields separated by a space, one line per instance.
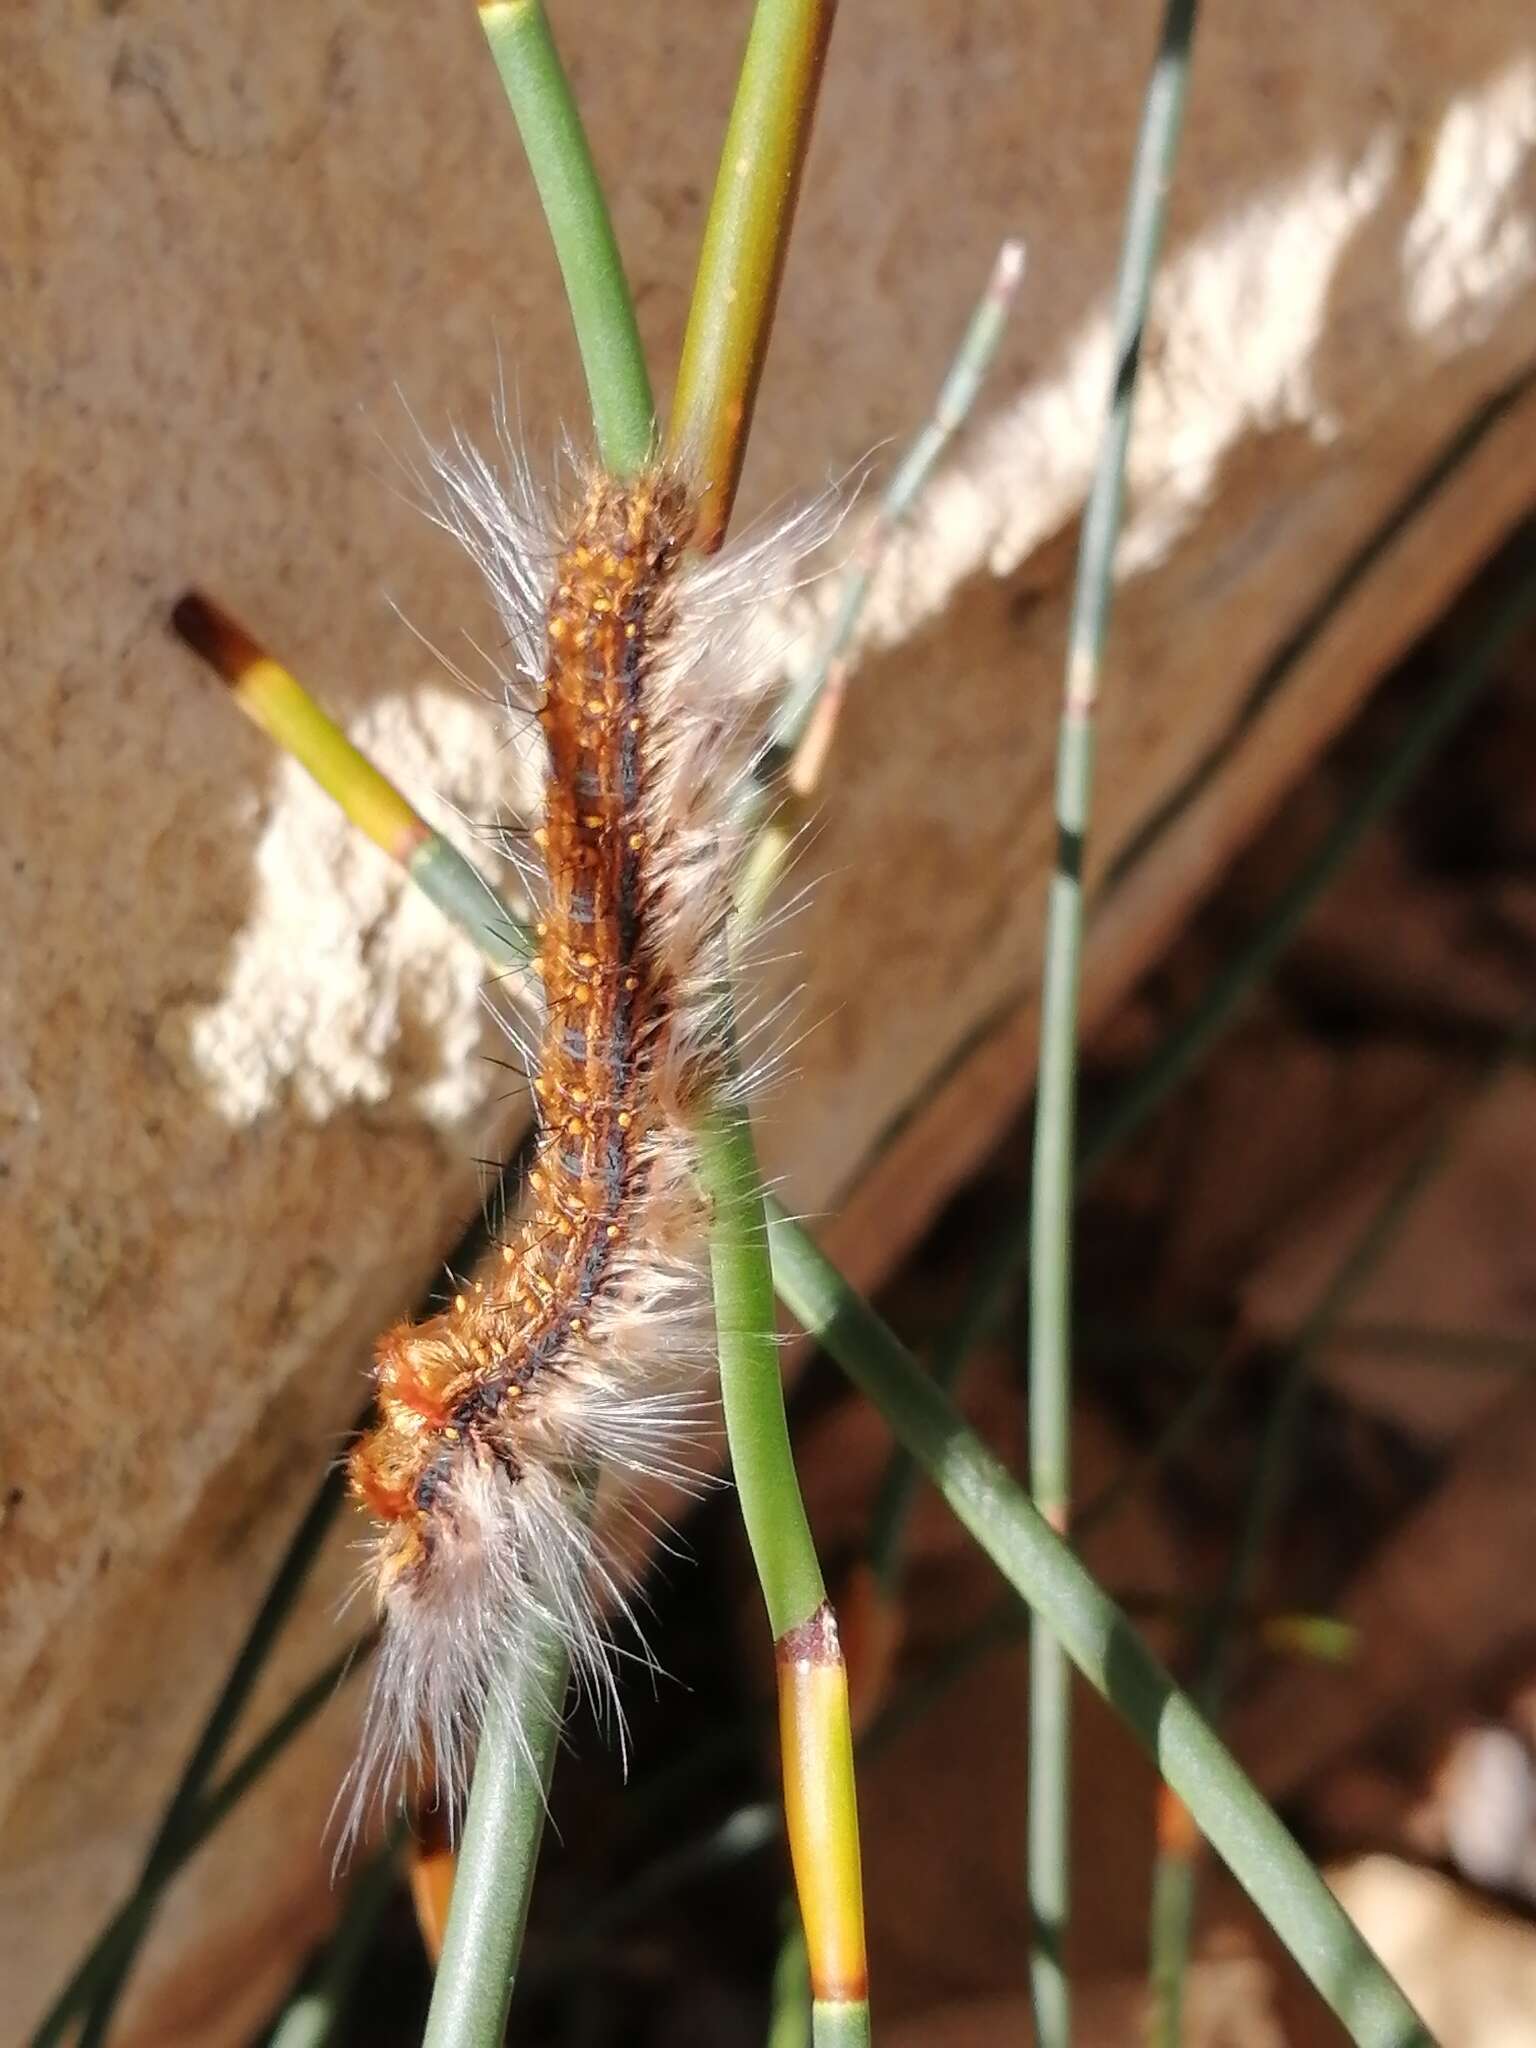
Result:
x=240 y=1091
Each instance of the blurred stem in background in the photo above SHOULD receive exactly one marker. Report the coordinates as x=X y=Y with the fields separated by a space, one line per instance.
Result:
x=1052 y=1187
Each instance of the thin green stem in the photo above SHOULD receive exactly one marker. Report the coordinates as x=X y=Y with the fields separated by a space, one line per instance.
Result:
x=518 y=1737
x=1170 y=1919
x=820 y=682
x=1050 y=1377
x=789 y=2011
x=1101 y=1643
x=560 y=158
x=816 y=1737
x=1052 y=1184
x=841 y=2025
x=751 y=1387
x=746 y=239
x=503 y=1827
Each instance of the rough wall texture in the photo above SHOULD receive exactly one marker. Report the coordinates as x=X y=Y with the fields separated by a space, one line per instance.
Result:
x=239 y=1091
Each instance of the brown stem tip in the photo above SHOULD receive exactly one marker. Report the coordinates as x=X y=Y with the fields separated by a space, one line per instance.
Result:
x=226 y=647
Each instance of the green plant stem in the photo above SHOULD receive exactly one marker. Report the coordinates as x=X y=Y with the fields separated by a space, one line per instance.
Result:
x=816 y=1730
x=789 y=2015
x=1048 y=1828
x=1101 y=1643
x=746 y=239
x=503 y=1827
x=515 y=1755
x=751 y=1388
x=1049 y=1217
x=958 y=393
x=602 y=311
x=1170 y=1919
x=1052 y=1183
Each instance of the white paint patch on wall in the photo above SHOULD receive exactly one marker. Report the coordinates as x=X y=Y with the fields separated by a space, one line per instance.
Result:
x=345 y=986
x=1471 y=246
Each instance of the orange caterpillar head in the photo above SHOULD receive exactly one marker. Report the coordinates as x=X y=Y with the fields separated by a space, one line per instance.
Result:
x=422 y=1372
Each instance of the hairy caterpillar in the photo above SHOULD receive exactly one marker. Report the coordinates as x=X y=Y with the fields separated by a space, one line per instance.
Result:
x=586 y=1349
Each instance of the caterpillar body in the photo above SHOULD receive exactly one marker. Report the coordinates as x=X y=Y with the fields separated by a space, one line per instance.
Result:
x=589 y=1347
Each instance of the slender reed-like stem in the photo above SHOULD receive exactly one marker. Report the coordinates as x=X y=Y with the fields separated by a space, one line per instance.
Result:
x=1101 y=1643
x=277 y=702
x=751 y=1389
x=789 y=2012
x=602 y=311
x=492 y=1885
x=503 y=1827
x=730 y=320
x=746 y=239
x=816 y=1736
x=814 y=698
x=1051 y=1188
x=808 y=719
